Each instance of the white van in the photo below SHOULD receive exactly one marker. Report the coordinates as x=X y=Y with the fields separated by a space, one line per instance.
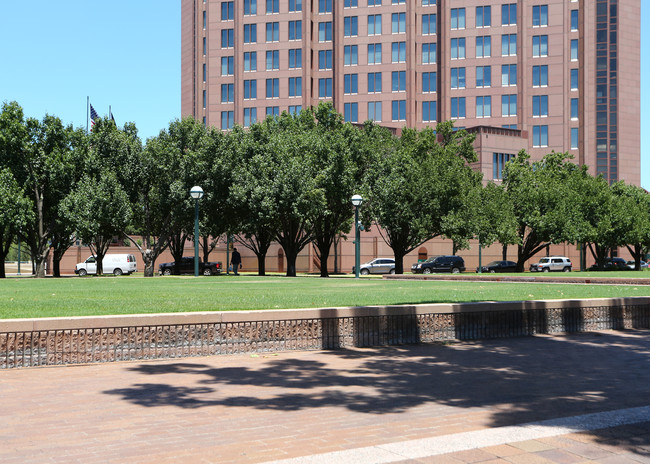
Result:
x=112 y=264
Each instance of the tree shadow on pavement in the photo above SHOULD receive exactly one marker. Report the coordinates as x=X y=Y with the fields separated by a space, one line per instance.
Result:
x=518 y=380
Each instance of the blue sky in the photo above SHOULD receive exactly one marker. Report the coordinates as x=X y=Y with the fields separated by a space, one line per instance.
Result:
x=126 y=55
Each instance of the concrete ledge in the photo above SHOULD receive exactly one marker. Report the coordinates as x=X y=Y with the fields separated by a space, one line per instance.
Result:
x=541 y=277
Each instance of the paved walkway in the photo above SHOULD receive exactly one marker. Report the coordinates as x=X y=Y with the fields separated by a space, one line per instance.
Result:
x=561 y=399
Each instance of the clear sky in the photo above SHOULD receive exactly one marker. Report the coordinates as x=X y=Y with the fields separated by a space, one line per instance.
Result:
x=126 y=55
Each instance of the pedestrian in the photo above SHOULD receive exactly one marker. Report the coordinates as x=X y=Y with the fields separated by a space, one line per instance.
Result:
x=235 y=261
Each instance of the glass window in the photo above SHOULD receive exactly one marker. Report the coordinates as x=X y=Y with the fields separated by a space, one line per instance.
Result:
x=509 y=14
x=457 y=78
x=351 y=55
x=540 y=136
x=272 y=32
x=540 y=76
x=540 y=45
x=295 y=109
x=250 y=61
x=324 y=6
x=227 y=93
x=398 y=112
x=458 y=107
x=227 y=12
x=350 y=4
x=295 y=30
x=205 y=72
x=508 y=75
x=574 y=79
x=429 y=82
x=574 y=138
x=540 y=15
x=398 y=2
x=273 y=88
x=574 y=108
x=398 y=21
x=428 y=24
x=498 y=162
x=325 y=59
x=351 y=84
x=483 y=16
x=428 y=2
x=205 y=46
x=574 y=49
x=574 y=20
x=227 y=65
x=272 y=60
x=374 y=24
x=295 y=58
x=227 y=38
x=250 y=89
x=458 y=18
x=295 y=5
x=429 y=111
x=351 y=112
x=483 y=46
x=540 y=106
x=509 y=45
x=325 y=31
x=458 y=48
x=374 y=53
x=250 y=7
x=325 y=87
x=250 y=33
x=205 y=99
x=227 y=120
x=374 y=111
x=483 y=106
x=398 y=80
x=295 y=86
x=273 y=111
x=398 y=52
x=483 y=76
x=272 y=6
x=429 y=52
x=509 y=105
x=250 y=116
x=350 y=26
x=374 y=82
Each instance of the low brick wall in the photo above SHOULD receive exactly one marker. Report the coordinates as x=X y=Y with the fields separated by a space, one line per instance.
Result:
x=54 y=341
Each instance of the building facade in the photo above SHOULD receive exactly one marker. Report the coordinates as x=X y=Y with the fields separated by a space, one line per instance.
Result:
x=545 y=71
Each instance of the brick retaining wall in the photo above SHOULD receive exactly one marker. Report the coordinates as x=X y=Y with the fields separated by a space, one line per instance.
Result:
x=80 y=340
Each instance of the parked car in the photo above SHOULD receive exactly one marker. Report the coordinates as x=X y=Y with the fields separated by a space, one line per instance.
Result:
x=116 y=264
x=187 y=267
x=643 y=265
x=552 y=263
x=611 y=264
x=499 y=266
x=377 y=266
x=453 y=264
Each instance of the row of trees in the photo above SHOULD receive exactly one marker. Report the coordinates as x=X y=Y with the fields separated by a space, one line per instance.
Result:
x=289 y=179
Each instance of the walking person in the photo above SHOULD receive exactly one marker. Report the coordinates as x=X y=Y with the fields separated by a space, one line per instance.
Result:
x=235 y=261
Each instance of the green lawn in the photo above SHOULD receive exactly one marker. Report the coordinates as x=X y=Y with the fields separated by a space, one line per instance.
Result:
x=26 y=297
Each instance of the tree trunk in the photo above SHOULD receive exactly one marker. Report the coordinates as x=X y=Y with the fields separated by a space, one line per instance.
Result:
x=324 y=256
x=399 y=262
x=291 y=256
x=261 y=264
x=504 y=252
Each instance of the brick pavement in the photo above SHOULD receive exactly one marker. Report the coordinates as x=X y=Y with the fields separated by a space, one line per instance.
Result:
x=250 y=409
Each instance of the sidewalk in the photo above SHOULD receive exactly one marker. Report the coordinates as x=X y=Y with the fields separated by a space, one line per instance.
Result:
x=563 y=399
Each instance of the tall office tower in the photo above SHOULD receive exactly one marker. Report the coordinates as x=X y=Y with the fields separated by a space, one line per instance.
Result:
x=541 y=75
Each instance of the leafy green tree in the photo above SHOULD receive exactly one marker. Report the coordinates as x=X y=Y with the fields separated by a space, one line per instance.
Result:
x=633 y=219
x=100 y=209
x=495 y=218
x=15 y=213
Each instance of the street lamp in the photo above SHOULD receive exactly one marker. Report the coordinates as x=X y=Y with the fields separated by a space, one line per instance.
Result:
x=197 y=193
x=356 y=202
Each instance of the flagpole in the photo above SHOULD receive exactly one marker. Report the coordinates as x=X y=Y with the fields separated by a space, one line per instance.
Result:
x=87 y=111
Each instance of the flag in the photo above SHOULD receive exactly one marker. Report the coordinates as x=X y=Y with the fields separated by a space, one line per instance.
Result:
x=93 y=115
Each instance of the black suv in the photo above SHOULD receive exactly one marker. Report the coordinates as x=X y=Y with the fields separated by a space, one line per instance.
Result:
x=187 y=267
x=453 y=264
x=611 y=264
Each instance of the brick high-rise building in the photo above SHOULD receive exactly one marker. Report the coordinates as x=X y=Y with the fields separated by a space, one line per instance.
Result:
x=542 y=75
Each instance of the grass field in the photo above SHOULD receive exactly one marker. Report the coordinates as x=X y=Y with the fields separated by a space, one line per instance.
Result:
x=25 y=297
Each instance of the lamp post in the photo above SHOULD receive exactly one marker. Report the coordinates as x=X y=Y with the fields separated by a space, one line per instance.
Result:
x=356 y=202
x=197 y=193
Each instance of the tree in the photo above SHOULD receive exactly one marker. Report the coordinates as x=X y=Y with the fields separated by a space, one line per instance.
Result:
x=100 y=210
x=545 y=201
x=417 y=188
x=495 y=217
x=15 y=213
x=634 y=219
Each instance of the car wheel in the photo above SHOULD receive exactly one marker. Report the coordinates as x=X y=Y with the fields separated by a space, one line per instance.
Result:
x=167 y=272
x=492 y=271
x=365 y=272
x=117 y=271
x=545 y=269
x=567 y=269
x=426 y=270
x=82 y=272
x=455 y=270
x=207 y=271
x=392 y=271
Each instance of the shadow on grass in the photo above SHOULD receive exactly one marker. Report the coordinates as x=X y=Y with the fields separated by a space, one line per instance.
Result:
x=520 y=380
